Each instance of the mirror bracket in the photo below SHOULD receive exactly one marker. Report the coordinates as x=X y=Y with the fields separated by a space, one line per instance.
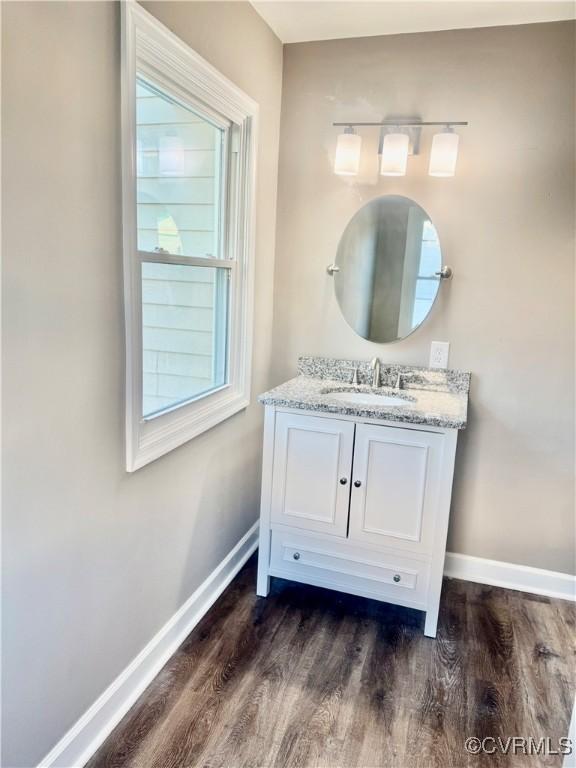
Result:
x=332 y=268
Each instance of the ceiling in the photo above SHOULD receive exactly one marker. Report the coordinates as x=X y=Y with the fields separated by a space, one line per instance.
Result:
x=296 y=21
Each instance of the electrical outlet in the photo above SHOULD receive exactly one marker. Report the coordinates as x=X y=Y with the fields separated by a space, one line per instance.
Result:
x=439 y=351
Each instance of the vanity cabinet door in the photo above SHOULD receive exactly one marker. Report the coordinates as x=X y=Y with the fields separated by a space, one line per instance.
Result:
x=311 y=475
x=395 y=490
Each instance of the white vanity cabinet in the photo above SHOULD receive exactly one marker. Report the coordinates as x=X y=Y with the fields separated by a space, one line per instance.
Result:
x=395 y=487
x=356 y=505
x=311 y=473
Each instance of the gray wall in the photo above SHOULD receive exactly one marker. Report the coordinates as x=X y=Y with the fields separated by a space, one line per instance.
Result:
x=506 y=224
x=96 y=560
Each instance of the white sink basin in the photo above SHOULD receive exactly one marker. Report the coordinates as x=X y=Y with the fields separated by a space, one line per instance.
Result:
x=368 y=398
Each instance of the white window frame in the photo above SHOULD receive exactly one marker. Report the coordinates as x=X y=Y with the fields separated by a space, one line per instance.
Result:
x=148 y=47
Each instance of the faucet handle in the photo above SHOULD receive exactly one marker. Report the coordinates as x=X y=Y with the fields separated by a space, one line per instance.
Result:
x=400 y=377
x=375 y=366
x=354 y=370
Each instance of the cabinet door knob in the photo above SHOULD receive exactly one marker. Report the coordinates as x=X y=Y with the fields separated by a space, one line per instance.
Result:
x=296 y=556
x=357 y=483
x=397 y=578
x=343 y=480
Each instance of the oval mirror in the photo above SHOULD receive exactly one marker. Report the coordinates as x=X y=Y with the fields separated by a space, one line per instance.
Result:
x=388 y=259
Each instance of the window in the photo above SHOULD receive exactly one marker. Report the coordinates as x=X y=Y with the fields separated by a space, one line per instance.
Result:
x=180 y=211
x=188 y=168
x=426 y=280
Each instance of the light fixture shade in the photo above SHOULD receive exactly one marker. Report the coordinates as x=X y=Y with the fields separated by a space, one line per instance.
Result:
x=444 y=154
x=394 y=154
x=347 y=159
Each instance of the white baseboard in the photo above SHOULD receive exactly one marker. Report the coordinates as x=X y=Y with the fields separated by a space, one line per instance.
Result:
x=511 y=576
x=83 y=739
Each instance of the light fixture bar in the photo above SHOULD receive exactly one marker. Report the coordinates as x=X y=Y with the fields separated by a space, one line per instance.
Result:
x=400 y=124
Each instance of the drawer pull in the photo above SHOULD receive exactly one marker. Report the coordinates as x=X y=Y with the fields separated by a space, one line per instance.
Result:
x=397 y=578
x=343 y=480
x=357 y=483
x=296 y=556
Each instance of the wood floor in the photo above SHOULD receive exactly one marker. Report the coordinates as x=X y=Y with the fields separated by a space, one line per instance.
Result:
x=309 y=677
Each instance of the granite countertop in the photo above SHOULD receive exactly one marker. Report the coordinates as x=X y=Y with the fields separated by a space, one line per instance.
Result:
x=433 y=397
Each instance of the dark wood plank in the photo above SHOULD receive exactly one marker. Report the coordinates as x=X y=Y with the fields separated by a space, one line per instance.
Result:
x=493 y=702
x=545 y=653
x=438 y=725
x=310 y=678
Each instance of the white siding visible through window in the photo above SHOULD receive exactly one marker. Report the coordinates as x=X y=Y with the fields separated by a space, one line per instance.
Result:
x=178 y=200
x=178 y=334
x=179 y=157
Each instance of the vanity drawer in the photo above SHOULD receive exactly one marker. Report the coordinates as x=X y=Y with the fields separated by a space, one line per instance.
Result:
x=347 y=567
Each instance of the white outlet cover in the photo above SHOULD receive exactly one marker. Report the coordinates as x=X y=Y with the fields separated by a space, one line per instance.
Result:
x=439 y=353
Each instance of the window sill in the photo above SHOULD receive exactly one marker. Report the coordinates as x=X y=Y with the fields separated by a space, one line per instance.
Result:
x=159 y=438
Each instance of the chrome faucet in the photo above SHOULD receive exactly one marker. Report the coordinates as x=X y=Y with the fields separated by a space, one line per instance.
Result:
x=375 y=366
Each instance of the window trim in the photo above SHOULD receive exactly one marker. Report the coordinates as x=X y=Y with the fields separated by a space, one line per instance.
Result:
x=149 y=47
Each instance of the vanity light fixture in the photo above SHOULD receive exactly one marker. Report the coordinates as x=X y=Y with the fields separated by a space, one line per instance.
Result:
x=444 y=153
x=395 y=147
x=347 y=159
x=394 y=154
